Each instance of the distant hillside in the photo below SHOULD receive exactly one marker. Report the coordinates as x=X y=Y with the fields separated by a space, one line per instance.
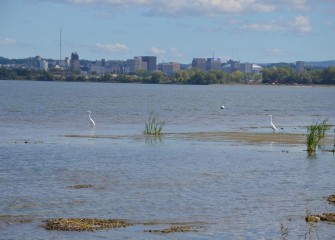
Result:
x=322 y=64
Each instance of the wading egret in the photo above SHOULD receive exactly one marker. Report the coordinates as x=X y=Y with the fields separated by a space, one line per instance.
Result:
x=273 y=126
x=91 y=120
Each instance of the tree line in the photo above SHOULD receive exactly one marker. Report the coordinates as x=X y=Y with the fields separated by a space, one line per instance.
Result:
x=286 y=75
x=273 y=75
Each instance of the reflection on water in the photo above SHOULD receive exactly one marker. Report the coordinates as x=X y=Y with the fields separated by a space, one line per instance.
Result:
x=152 y=140
x=228 y=189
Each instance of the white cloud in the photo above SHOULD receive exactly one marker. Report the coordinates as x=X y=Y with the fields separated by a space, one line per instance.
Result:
x=115 y=48
x=208 y=7
x=297 y=24
x=176 y=53
x=170 y=54
x=302 y=24
x=183 y=7
x=294 y=4
x=157 y=51
x=275 y=52
x=7 y=42
x=264 y=27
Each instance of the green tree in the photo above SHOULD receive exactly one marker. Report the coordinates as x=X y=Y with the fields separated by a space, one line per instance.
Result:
x=328 y=75
x=199 y=78
x=237 y=77
x=157 y=77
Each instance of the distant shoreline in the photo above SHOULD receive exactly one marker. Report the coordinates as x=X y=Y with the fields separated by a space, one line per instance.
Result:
x=178 y=83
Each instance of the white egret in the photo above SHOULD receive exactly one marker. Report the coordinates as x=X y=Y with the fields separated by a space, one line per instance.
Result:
x=91 y=120
x=273 y=126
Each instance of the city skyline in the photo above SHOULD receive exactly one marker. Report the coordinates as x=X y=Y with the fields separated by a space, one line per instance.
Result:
x=247 y=30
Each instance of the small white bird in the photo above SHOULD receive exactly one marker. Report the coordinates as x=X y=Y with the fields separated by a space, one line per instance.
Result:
x=222 y=107
x=273 y=126
x=91 y=120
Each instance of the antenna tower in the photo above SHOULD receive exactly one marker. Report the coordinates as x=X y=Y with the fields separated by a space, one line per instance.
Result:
x=60 y=46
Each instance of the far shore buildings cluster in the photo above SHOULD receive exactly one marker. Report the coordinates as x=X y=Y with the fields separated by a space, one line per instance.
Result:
x=145 y=63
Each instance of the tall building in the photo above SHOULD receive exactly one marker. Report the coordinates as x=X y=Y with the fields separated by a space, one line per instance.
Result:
x=151 y=62
x=213 y=64
x=246 y=67
x=44 y=65
x=169 y=68
x=199 y=63
x=231 y=66
x=136 y=64
x=74 y=63
x=300 y=66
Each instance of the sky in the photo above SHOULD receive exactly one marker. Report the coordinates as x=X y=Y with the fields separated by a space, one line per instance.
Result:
x=255 y=31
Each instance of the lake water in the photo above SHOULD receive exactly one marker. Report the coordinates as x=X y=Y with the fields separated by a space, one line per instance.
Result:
x=225 y=189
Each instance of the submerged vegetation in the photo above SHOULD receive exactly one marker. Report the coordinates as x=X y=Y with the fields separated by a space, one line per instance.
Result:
x=94 y=224
x=173 y=229
x=84 y=224
x=153 y=125
x=79 y=186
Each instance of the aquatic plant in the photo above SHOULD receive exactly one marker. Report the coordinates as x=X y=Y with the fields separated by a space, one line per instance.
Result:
x=316 y=132
x=322 y=128
x=81 y=186
x=283 y=232
x=153 y=126
x=174 y=229
x=312 y=138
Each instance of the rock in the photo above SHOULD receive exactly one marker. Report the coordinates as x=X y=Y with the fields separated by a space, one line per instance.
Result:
x=331 y=199
x=329 y=217
x=312 y=218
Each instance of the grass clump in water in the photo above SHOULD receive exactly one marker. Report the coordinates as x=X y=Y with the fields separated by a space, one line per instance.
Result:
x=173 y=229
x=81 y=186
x=84 y=224
x=153 y=125
x=315 y=133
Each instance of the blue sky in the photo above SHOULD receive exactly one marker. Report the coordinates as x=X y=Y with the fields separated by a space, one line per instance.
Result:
x=257 y=31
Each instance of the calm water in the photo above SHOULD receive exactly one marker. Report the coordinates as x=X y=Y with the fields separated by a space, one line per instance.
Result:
x=227 y=190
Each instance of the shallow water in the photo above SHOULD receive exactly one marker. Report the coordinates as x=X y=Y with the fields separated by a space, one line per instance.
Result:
x=227 y=189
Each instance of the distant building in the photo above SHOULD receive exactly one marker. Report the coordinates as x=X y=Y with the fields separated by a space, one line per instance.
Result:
x=245 y=67
x=185 y=66
x=299 y=66
x=256 y=69
x=99 y=70
x=74 y=62
x=136 y=64
x=44 y=65
x=231 y=66
x=151 y=62
x=169 y=68
x=213 y=64
x=199 y=63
